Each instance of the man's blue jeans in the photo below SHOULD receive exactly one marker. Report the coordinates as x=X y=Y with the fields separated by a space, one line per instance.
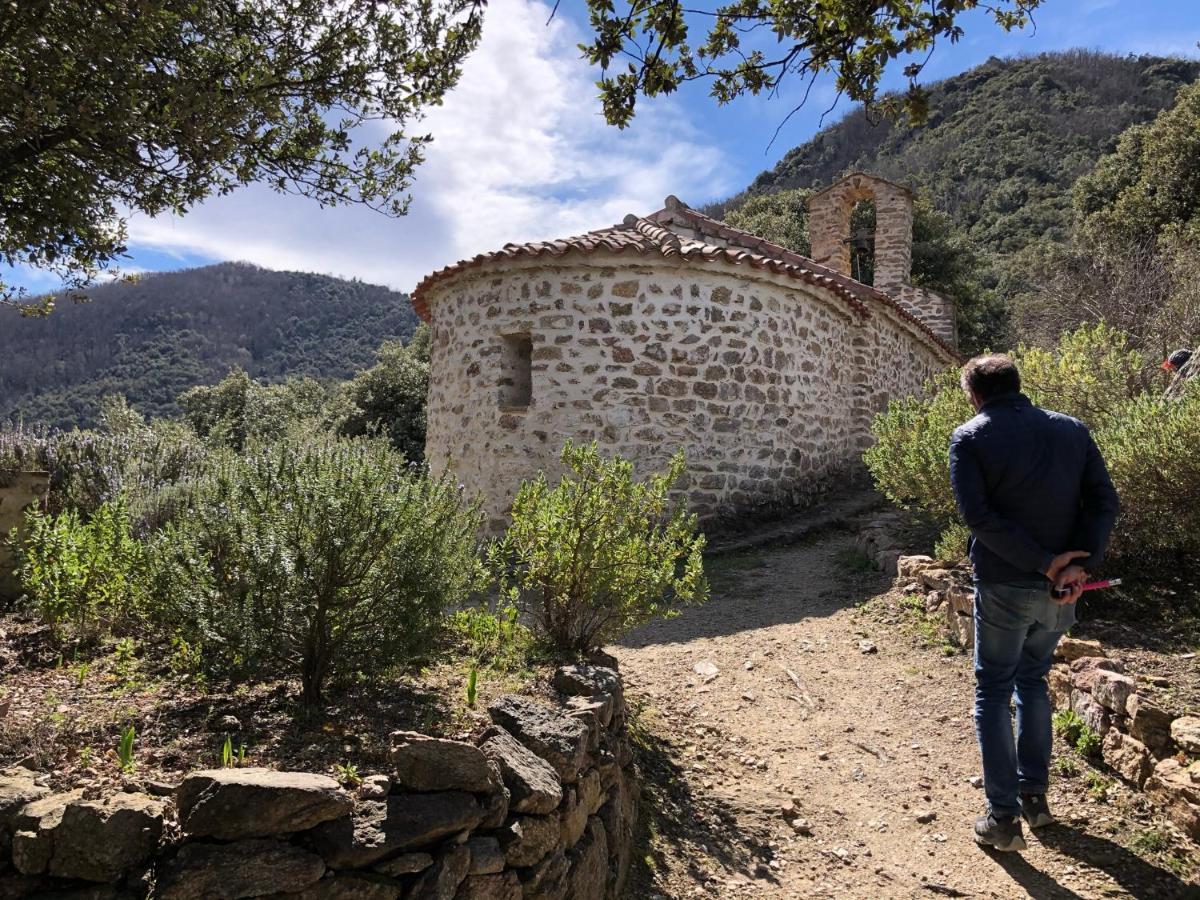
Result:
x=1017 y=627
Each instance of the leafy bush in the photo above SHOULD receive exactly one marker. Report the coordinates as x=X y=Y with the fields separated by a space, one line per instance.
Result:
x=1151 y=455
x=951 y=545
x=496 y=639
x=315 y=557
x=238 y=409
x=388 y=399
x=1145 y=440
x=600 y=553
x=1068 y=725
x=143 y=464
x=85 y=574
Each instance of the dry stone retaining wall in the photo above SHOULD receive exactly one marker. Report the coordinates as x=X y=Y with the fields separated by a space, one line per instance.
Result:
x=542 y=807
x=767 y=384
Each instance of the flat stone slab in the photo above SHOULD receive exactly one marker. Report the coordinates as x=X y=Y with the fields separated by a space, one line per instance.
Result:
x=379 y=829
x=249 y=868
x=533 y=784
x=550 y=733
x=424 y=763
x=230 y=804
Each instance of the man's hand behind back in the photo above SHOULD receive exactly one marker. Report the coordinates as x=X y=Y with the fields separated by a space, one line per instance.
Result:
x=1071 y=580
x=1062 y=561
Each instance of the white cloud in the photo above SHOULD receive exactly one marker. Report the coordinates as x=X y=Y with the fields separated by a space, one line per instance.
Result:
x=521 y=152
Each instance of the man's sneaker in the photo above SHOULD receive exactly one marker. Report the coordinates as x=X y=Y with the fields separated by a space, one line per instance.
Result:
x=1002 y=834
x=1036 y=810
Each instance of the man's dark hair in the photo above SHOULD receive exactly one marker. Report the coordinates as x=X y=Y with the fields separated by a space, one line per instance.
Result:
x=990 y=376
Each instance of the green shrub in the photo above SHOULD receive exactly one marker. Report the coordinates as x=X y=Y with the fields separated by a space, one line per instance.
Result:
x=1068 y=725
x=910 y=459
x=951 y=545
x=600 y=553
x=1152 y=456
x=83 y=575
x=496 y=639
x=315 y=557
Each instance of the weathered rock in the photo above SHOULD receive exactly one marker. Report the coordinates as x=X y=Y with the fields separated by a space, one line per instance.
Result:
x=379 y=829
x=909 y=566
x=374 y=787
x=960 y=616
x=1177 y=787
x=17 y=788
x=572 y=817
x=1095 y=716
x=248 y=868
x=532 y=782
x=585 y=680
x=442 y=880
x=619 y=815
x=888 y=562
x=589 y=718
x=1085 y=671
x=938 y=579
x=506 y=886
x=588 y=878
x=496 y=804
x=230 y=804
x=1185 y=731
x=1150 y=722
x=1113 y=690
x=348 y=886
x=1070 y=649
x=486 y=856
x=601 y=705
x=589 y=791
x=103 y=840
x=33 y=832
x=1128 y=756
x=548 y=879
x=432 y=764
x=555 y=737
x=1058 y=680
x=527 y=839
x=404 y=864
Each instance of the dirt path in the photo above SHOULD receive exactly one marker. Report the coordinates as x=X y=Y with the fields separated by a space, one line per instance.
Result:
x=831 y=755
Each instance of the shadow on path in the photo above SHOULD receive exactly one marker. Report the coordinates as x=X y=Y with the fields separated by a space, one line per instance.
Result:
x=1141 y=878
x=690 y=826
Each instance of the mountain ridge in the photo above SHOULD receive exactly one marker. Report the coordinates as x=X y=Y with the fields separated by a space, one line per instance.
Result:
x=165 y=332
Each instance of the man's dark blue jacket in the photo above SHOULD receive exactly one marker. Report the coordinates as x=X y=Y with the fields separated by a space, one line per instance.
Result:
x=1031 y=484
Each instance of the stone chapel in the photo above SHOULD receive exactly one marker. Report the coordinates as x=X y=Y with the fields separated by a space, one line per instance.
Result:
x=675 y=331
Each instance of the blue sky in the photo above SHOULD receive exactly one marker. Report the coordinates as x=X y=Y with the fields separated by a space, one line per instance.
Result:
x=522 y=153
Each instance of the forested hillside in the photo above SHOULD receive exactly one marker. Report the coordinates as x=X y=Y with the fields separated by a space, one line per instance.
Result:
x=1004 y=142
x=153 y=339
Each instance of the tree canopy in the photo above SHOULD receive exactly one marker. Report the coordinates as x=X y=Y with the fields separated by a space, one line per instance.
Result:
x=1151 y=183
x=153 y=105
x=754 y=46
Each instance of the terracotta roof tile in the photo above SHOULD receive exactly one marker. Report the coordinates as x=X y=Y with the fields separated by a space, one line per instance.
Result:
x=651 y=235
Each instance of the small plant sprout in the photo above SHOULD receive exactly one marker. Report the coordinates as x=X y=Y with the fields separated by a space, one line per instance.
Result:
x=81 y=673
x=472 y=686
x=227 y=754
x=241 y=755
x=347 y=774
x=125 y=750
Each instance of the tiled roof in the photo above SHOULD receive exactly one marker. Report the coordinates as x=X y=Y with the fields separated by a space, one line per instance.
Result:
x=651 y=236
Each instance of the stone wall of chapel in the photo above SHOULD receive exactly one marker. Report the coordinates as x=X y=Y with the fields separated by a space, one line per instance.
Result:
x=766 y=384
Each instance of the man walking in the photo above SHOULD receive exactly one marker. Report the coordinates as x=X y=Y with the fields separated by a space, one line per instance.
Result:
x=1032 y=487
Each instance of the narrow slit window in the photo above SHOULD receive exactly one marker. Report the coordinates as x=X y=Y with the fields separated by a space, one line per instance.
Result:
x=516 y=373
